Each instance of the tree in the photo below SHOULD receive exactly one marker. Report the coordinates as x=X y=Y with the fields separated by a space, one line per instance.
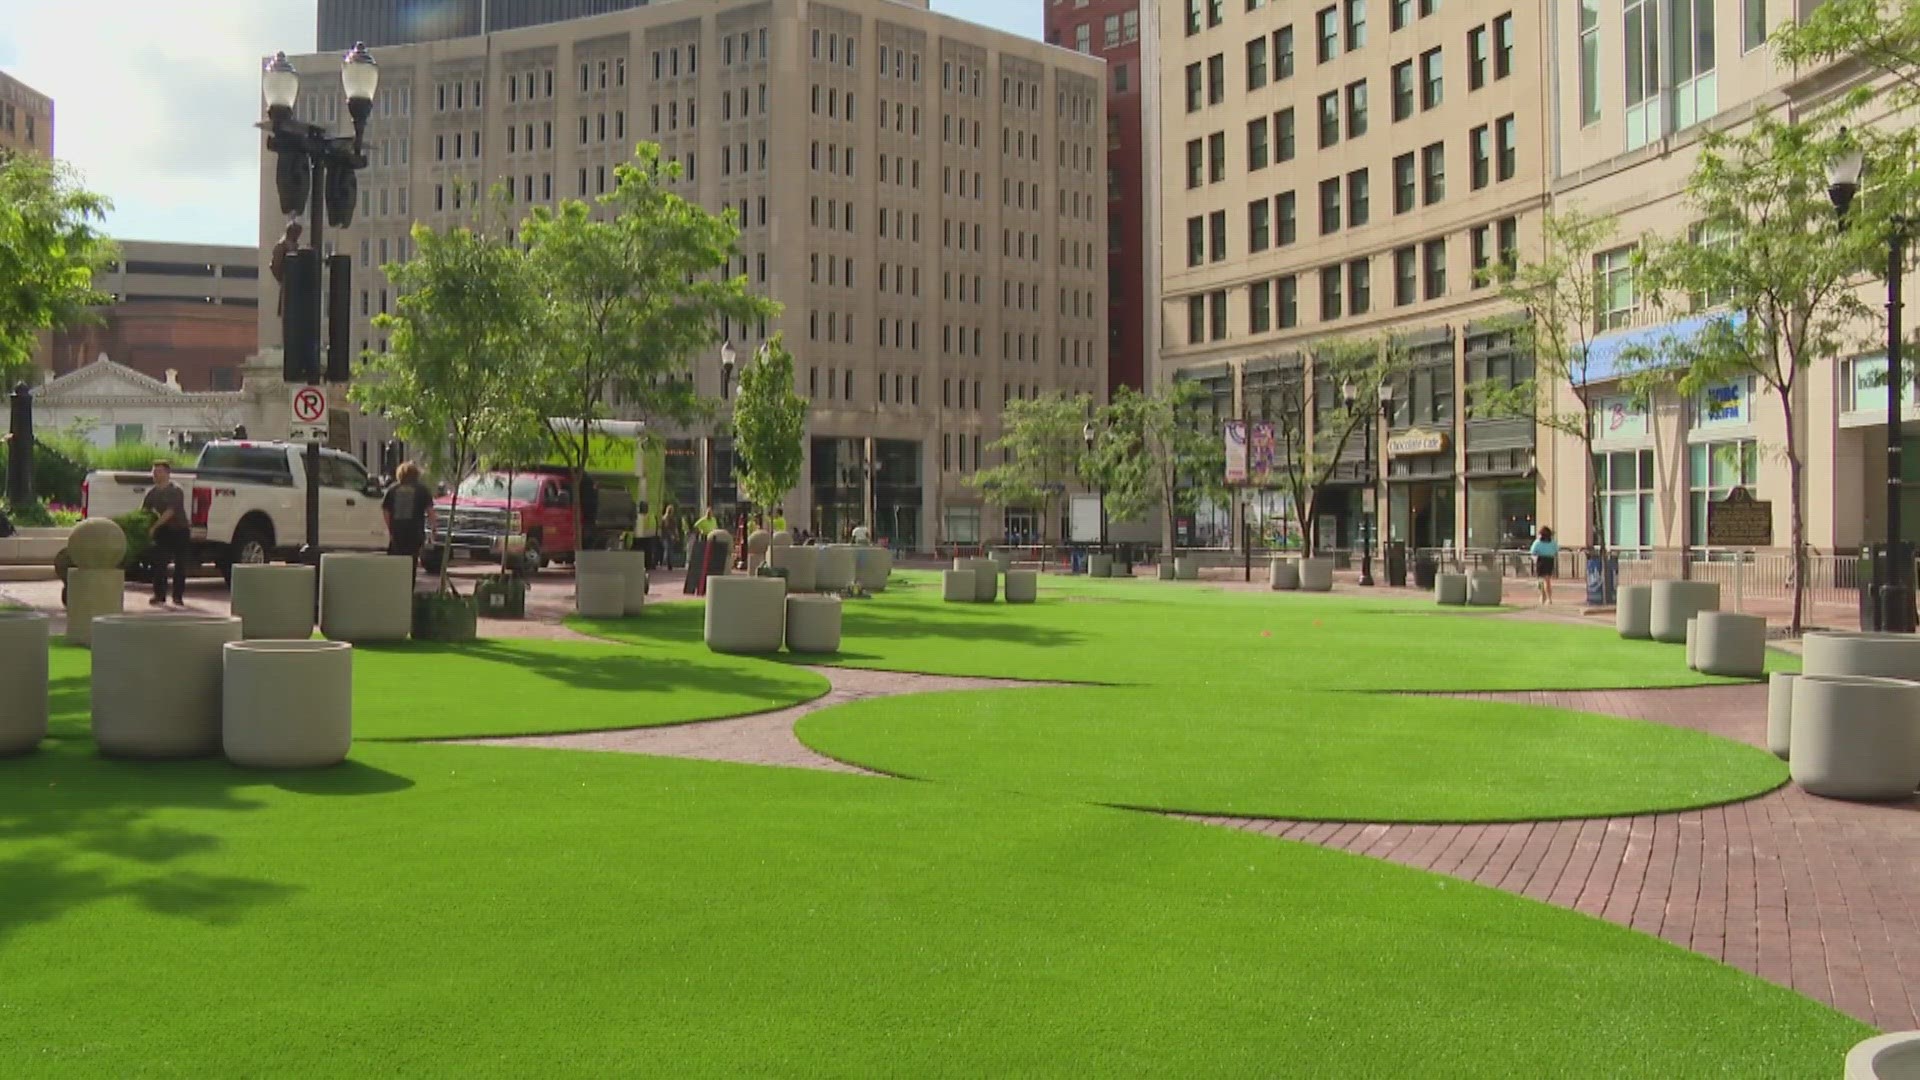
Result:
x=630 y=301
x=1156 y=453
x=1772 y=250
x=1558 y=297
x=50 y=247
x=1882 y=34
x=456 y=377
x=1041 y=442
x=1314 y=396
x=769 y=427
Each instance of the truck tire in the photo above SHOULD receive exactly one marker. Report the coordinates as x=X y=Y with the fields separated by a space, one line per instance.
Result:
x=534 y=560
x=252 y=545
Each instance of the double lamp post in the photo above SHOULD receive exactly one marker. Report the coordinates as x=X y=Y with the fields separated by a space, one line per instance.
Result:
x=315 y=171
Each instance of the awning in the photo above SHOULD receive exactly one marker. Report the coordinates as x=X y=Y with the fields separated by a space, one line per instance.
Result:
x=1607 y=354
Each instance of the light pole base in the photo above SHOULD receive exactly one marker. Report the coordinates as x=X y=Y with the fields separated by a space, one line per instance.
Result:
x=1366 y=571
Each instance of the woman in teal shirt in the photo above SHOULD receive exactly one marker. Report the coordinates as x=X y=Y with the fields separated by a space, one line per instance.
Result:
x=1545 y=552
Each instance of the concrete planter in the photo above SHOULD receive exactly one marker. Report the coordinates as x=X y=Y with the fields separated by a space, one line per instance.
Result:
x=1730 y=645
x=445 y=617
x=1186 y=568
x=799 y=563
x=365 y=598
x=758 y=543
x=1450 y=589
x=1780 y=713
x=1886 y=1057
x=813 y=624
x=287 y=704
x=34 y=547
x=91 y=594
x=1023 y=586
x=1485 y=588
x=1892 y=656
x=1674 y=602
x=746 y=614
x=599 y=594
x=781 y=538
x=630 y=566
x=1164 y=571
x=1283 y=575
x=1693 y=628
x=872 y=568
x=157 y=684
x=1316 y=575
x=1855 y=736
x=1633 y=612
x=986 y=580
x=1002 y=560
x=274 y=603
x=23 y=674
x=1099 y=565
x=956 y=586
x=835 y=569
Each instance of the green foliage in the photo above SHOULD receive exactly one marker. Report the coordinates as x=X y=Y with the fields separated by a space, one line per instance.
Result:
x=1042 y=444
x=1318 y=390
x=1883 y=34
x=1156 y=452
x=64 y=518
x=138 y=525
x=769 y=427
x=50 y=247
x=62 y=460
x=32 y=515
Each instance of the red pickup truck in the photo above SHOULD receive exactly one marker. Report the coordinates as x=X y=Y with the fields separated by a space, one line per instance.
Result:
x=536 y=503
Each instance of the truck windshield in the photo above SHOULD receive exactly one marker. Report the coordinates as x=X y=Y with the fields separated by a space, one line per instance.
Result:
x=494 y=486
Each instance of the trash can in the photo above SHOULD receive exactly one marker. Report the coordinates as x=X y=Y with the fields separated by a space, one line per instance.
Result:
x=1603 y=580
x=1397 y=565
x=1887 y=597
x=1426 y=569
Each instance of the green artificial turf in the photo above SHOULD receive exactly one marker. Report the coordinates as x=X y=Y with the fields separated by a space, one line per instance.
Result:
x=428 y=911
x=1295 y=754
x=509 y=687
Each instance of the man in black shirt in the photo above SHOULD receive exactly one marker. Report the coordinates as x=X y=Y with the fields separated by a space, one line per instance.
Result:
x=172 y=537
x=405 y=508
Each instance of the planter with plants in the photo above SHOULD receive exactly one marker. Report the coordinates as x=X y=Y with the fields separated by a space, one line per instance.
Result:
x=446 y=616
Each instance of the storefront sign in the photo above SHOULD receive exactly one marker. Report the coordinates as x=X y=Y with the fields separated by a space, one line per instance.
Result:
x=1740 y=521
x=1417 y=441
x=1617 y=419
x=1727 y=404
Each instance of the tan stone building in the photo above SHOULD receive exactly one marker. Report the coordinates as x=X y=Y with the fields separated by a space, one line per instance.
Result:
x=26 y=117
x=925 y=197
x=1346 y=170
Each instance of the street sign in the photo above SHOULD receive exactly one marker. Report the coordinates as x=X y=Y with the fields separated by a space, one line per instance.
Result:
x=309 y=415
x=1740 y=521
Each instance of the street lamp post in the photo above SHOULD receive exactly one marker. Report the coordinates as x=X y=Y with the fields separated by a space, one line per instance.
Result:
x=1373 y=481
x=312 y=163
x=1350 y=396
x=727 y=358
x=1892 y=570
x=1087 y=433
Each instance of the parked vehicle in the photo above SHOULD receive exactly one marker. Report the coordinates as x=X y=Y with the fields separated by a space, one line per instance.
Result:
x=247 y=501
x=535 y=503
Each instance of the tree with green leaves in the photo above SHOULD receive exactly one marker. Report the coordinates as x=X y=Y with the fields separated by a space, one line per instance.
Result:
x=1041 y=443
x=1317 y=423
x=1157 y=452
x=1558 y=298
x=630 y=302
x=769 y=427
x=1884 y=35
x=50 y=247
x=1769 y=246
x=456 y=380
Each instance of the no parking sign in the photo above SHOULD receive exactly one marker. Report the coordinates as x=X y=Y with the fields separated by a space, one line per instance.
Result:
x=309 y=414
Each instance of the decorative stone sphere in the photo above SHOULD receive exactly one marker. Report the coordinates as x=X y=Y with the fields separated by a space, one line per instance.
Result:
x=759 y=541
x=97 y=544
x=782 y=538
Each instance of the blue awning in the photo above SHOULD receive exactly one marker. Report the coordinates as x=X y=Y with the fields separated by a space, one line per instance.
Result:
x=1607 y=353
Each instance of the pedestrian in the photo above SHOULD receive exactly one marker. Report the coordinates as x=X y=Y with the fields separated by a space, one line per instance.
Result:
x=780 y=522
x=172 y=536
x=405 y=508
x=1545 y=552
x=672 y=530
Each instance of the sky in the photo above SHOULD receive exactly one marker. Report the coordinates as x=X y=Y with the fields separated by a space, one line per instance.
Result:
x=154 y=100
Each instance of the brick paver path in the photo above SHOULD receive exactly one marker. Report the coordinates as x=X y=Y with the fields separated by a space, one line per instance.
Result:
x=1819 y=895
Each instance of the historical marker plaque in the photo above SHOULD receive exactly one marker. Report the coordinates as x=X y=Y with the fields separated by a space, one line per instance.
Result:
x=1740 y=521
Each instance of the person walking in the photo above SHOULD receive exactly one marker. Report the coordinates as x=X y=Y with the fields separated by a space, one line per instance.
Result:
x=1546 y=552
x=172 y=537
x=405 y=507
x=671 y=529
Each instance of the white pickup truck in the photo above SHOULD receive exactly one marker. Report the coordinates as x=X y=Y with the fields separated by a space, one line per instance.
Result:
x=247 y=501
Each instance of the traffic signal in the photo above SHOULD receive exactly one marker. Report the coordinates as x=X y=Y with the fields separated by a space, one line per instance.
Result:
x=339 y=318
x=299 y=317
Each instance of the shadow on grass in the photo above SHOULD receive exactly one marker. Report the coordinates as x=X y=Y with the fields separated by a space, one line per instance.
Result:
x=608 y=670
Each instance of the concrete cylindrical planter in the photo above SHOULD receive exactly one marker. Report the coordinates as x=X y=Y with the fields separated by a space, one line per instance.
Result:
x=1316 y=575
x=1633 y=612
x=91 y=594
x=23 y=675
x=813 y=624
x=956 y=586
x=873 y=567
x=1674 y=602
x=1855 y=736
x=1186 y=568
x=1730 y=645
x=746 y=614
x=599 y=594
x=629 y=566
x=273 y=602
x=781 y=538
x=1485 y=588
x=287 y=704
x=1023 y=586
x=1450 y=589
x=986 y=580
x=1164 y=571
x=836 y=568
x=1284 y=575
x=1892 y=656
x=1693 y=628
x=1885 y=1057
x=799 y=563
x=1780 y=713
x=366 y=598
x=1100 y=564
x=157 y=684
x=758 y=542
x=1002 y=560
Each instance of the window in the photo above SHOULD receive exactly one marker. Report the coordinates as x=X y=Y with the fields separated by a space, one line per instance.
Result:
x=1217 y=314
x=1434 y=271
x=1703 y=235
x=1216 y=157
x=1330 y=293
x=1432 y=80
x=1626 y=497
x=1405 y=279
x=1257 y=148
x=1589 y=62
x=1400 y=14
x=1403 y=189
x=1477 y=57
x=1329 y=118
x=1215 y=11
x=1283 y=53
x=1259 y=225
x=1193 y=17
x=1713 y=470
x=1507 y=130
x=1329 y=206
x=1195 y=163
x=1356 y=24
x=1359 y=287
x=1259 y=307
x=1613 y=282
x=1480 y=156
x=1753 y=24
x=1433 y=174
x=1356 y=109
x=1196 y=241
x=1217 y=236
x=1283 y=135
x=1358 y=198
x=1479 y=238
x=1257 y=63
x=1194 y=87
x=1641 y=45
x=1403 y=90
x=1690 y=51
x=1286 y=209
x=1503 y=46
x=1327 y=38
x=1509 y=242
x=1287 y=291
x=1196 y=319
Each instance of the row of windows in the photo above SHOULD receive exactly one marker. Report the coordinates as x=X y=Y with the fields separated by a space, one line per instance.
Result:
x=1401 y=14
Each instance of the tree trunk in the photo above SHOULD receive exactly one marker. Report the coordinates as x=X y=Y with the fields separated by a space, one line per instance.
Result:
x=1796 y=519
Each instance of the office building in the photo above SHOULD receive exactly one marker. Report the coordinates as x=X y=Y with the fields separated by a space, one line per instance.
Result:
x=26 y=117
x=186 y=313
x=406 y=22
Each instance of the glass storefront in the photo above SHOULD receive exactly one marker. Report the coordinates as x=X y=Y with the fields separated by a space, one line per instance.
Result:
x=839 y=474
x=1420 y=513
x=1626 y=485
x=1500 y=512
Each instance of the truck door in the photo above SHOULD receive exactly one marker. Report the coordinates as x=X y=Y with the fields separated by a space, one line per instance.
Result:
x=556 y=514
x=349 y=518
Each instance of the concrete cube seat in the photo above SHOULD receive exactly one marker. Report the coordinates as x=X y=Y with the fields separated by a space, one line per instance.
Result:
x=157 y=684
x=1002 y=559
x=986 y=578
x=813 y=624
x=1730 y=645
x=1674 y=602
x=630 y=567
x=746 y=614
x=1316 y=575
x=1283 y=575
x=24 y=637
x=1450 y=589
x=1856 y=736
x=599 y=594
x=1100 y=564
x=956 y=586
x=835 y=568
x=365 y=598
x=274 y=603
x=1186 y=568
x=799 y=563
x=1485 y=588
x=1633 y=612
x=1023 y=586
x=287 y=704
x=873 y=568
